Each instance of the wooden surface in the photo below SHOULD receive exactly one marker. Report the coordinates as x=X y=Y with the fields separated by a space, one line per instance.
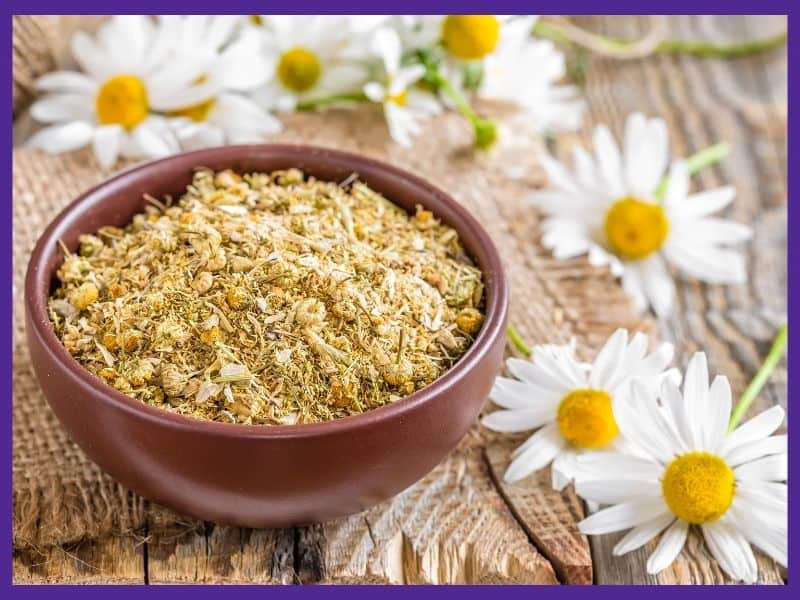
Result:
x=461 y=524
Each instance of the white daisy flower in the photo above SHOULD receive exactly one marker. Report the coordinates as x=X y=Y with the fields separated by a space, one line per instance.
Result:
x=232 y=66
x=128 y=73
x=463 y=38
x=403 y=106
x=728 y=484
x=526 y=71
x=573 y=404
x=609 y=209
x=311 y=57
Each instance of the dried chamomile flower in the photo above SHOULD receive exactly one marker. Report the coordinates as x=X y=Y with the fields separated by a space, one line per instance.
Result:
x=270 y=298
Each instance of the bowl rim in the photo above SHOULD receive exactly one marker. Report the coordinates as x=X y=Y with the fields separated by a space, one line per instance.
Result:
x=494 y=324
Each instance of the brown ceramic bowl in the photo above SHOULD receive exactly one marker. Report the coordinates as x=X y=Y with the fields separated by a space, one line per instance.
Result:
x=254 y=475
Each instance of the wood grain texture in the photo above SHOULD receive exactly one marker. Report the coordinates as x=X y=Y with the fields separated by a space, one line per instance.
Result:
x=547 y=516
x=209 y=553
x=451 y=527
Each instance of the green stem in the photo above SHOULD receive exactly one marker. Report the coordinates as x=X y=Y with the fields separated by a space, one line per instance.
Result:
x=706 y=157
x=627 y=48
x=485 y=130
x=332 y=99
x=772 y=360
x=697 y=161
x=516 y=339
x=712 y=50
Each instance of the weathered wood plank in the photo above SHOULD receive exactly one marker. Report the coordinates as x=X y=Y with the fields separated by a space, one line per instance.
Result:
x=451 y=527
x=548 y=517
x=218 y=554
x=109 y=560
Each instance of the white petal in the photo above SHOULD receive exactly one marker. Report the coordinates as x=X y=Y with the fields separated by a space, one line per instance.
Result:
x=655 y=363
x=658 y=285
x=704 y=203
x=402 y=124
x=641 y=534
x=386 y=44
x=705 y=261
x=695 y=398
x=559 y=176
x=615 y=491
x=375 y=91
x=635 y=137
x=769 y=468
x=564 y=468
x=617 y=466
x=91 y=59
x=193 y=136
x=644 y=423
x=423 y=102
x=151 y=142
x=168 y=100
x=513 y=394
x=609 y=159
x=669 y=546
x=622 y=516
x=585 y=167
x=537 y=452
x=62 y=138
x=731 y=550
x=673 y=400
x=770 y=539
x=608 y=360
x=531 y=373
x=714 y=230
x=518 y=420
x=221 y=28
x=677 y=186
x=646 y=154
x=769 y=497
x=63 y=107
x=243 y=120
x=633 y=286
x=775 y=444
x=66 y=81
x=563 y=368
x=404 y=78
x=718 y=413
x=241 y=66
x=106 y=143
x=762 y=425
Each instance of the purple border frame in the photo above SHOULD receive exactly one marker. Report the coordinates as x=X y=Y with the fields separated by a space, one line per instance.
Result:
x=357 y=7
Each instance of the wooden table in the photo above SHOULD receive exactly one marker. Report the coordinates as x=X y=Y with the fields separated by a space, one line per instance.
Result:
x=438 y=532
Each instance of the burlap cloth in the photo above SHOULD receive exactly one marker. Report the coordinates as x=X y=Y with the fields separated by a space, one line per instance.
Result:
x=59 y=496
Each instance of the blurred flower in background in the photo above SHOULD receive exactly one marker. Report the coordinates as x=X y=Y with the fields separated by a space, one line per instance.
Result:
x=497 y=58
x=152 y=86
x=403 y=105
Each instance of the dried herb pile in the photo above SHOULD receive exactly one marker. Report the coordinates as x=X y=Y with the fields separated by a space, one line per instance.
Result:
x=269 y=298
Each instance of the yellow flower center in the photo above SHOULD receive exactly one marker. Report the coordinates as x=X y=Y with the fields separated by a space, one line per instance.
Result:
x=635 y=229
x=122 y=100
x=256 y=19
x=198 y=112
x=586 y=419
x=299 y=69
x=400 y=99
x=470 y=37
x=698 y=487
